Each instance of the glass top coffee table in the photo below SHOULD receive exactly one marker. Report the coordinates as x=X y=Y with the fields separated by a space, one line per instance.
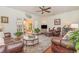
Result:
x=31 y=41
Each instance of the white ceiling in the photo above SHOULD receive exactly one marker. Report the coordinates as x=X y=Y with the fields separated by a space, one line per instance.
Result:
x=54 y=9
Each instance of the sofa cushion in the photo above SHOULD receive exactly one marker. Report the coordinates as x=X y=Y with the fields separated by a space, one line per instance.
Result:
x=8 y=40
x=67 y=36
x=2 y=48
x=56 y=41
x=66 y=43
x=7 y=34
x=15 y=47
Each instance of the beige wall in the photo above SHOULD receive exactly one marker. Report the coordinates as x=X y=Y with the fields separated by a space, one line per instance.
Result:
x=66 y=18
x=13 y=15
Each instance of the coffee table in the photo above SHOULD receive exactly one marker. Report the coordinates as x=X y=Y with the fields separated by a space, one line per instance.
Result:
x=31 y=41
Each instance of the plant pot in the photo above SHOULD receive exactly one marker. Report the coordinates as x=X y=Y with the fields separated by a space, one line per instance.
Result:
x=18 y=37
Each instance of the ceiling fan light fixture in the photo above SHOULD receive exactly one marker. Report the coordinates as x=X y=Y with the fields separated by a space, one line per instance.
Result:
x=45 y=9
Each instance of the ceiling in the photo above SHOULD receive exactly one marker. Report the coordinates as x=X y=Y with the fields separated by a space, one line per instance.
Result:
x=54 y=9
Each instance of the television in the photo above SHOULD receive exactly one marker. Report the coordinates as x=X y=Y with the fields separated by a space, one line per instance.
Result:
x=44 y=26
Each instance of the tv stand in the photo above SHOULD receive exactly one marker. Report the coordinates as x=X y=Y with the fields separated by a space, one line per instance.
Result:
x=43 y=30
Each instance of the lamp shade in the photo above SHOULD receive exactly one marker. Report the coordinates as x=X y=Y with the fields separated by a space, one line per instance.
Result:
x=74 y=26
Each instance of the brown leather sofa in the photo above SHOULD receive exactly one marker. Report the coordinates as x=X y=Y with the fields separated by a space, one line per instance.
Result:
x=11 y=45
x=60 y=46
x=14 y=47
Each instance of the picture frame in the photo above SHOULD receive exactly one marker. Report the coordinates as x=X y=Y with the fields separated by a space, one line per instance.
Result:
x=4 y=19
x=57 y=21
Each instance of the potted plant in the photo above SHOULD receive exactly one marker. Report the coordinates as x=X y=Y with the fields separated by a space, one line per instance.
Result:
x=74 y=38
x=37 y=30
x=18 y=35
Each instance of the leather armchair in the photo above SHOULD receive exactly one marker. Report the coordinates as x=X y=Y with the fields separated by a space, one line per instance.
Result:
x=12 y=45
x=57 y=32
x=15 y=47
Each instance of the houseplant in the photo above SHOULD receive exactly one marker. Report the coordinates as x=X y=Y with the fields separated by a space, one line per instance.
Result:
x=74 y=38
x=36 y=30
x=18 y=35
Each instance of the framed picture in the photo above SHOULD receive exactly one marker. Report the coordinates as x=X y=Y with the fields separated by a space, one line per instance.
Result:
x=4 y=19
x=57 y=21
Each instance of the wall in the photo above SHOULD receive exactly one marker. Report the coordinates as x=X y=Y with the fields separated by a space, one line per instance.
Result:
x=66 y=18
x=13 y=14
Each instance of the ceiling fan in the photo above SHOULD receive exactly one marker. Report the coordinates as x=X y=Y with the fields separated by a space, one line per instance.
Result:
x=44 y=9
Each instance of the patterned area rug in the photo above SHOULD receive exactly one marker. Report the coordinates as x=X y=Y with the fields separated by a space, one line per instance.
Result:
x=44 y=43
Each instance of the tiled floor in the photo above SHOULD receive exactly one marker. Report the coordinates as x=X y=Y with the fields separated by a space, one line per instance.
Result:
x=44 y=43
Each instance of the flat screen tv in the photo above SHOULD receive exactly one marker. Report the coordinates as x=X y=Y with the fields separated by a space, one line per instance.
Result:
x=44 y=26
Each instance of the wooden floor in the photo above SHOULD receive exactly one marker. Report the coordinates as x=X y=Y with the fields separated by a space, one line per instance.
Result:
x=48 y=50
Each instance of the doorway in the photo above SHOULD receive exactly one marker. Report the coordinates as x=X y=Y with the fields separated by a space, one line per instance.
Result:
x=28 y=26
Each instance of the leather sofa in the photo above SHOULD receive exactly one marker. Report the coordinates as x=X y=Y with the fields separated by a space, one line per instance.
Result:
x=11 y=45
x=14 y=47
x=60 y=46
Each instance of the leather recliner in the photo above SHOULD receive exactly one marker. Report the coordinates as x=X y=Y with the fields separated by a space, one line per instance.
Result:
x=11 y=45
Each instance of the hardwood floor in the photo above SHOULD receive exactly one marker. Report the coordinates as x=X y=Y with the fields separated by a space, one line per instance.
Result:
x=48 y=50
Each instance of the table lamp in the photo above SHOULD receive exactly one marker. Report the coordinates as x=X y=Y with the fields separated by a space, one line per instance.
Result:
x=74 y=26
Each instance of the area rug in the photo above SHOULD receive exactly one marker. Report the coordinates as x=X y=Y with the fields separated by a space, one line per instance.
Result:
x=44 y=43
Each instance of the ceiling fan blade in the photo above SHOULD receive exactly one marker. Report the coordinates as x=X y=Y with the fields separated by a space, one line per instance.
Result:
x=41 y=8
x=48 y=11
x=38 y=11
x=42 y=12
x=48 y=8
